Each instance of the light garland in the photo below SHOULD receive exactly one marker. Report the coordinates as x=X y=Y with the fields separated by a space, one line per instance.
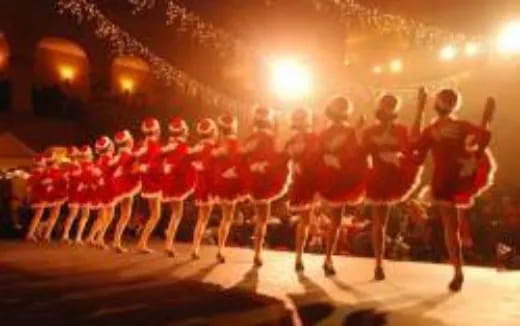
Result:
x=121 y=42
x=351 y=12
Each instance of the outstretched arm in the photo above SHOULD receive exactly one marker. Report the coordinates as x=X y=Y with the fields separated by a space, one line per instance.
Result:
x=489 y=112
x=419 y=117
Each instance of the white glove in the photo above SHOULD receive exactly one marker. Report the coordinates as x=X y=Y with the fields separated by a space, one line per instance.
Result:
x=101 y=181
x=198 y=166
x=167 y=168
x=258 y=167
x=331 y=161
x=144 y=168
x=230 y=173
x=81 y=186
x=391 y=157
x=49 y=188
x=118 y=172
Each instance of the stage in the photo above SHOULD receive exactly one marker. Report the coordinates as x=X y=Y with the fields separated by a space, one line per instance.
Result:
x=51 y=284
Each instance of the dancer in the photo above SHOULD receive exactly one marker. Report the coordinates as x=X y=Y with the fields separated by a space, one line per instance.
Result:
x=57 y=178
x=201 y=155
x=228 y=177
x=341 y=169
x=75 y=192
x=393 y=175
x=105 y=166
x=126 y=183
x=302 y=149
x=178 y=180
x=266 y=174
x=463 y=167
x=38 y=194
x=88 y=188
x=150 y=165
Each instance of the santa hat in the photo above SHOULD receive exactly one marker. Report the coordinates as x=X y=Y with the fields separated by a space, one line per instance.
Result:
x=206 y=127
x=123 y=137
x=39 y=160
x=178 y=126
x=72 y=151
x=150 y=125
x=300 y=119
x=227 y=122
x=103 y=144
x=85 y=151
x=339 y=108
x=263 y=115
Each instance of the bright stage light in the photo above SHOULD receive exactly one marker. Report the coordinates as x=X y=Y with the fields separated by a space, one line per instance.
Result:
x=66 y=73
x=127 y=85
x=448 y=53
x=396 y=65
x=471 y=49
x=377 y=70
x=290 y=79
x=509 y=38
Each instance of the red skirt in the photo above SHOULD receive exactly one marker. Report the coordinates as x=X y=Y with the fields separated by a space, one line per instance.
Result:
x=269 y=184
x=389 y=184
x=302 y=190
x=151 y=183
x=126 y=186
x=229 y=186
x=38 y=198
x=203 y=188
x=75 y=194
x=462 y=189
x=56 y=195
x=178 y=185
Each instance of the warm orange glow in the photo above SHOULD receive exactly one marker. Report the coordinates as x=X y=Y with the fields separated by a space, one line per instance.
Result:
x=291 y=80
x=67 y=73
x=3 y=60
x=472 y=49
x=377 y=70
x=396 y=65
x=448 y=53
x=127 y=84
x=509 y=38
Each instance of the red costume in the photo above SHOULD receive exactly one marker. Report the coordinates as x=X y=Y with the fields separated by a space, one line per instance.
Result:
x=105 y=165
x=302 y=149
x=266 y=172
x=179 y=176
x=125 y=178
x=463 y=165
x=150 y=160
x=394 y=174
x=227 y=166
x=56 y=182
x=341 y=166
x=88 y=182
x=202 y=160
x=35 y=183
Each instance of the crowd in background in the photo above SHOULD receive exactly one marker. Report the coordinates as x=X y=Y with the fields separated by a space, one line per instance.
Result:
x=490 y=230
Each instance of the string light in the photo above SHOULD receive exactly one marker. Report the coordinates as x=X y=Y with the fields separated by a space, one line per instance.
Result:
x=509 y=38
x=121 y=42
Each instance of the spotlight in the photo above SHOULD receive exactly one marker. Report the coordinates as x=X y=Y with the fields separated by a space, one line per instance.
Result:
x=396 y=65
x=448 y=53
x=509 y=38
x=127 y=84
x=377 y=70
x=471 y=49
x=290 y=79
x=66 y=73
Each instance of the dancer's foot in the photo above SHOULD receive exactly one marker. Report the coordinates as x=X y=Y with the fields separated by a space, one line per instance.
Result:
x=66 y=240
x=145 y=250
x=170 y=252
x=379 y=274
x=120 y=249
x=79 y=242
x=195 y=256
x=456 y=283
x=31 y=238
x=101 y=245
x=220 y=258
x=258 y=262
x=328 y=268
x=298 y=266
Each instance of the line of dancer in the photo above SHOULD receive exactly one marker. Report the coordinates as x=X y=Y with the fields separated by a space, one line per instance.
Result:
x=341 y=167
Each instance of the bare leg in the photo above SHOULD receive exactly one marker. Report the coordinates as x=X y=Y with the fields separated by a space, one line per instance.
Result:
x=126 y=213
x=35 y=221
x=332 y=238
x=177 y=208
x=107 y=220
x=85 y=213
x=200 y=228
x=451 y=221
x=262 y=211
x=379 y=220
x=154 y=205
x=302 y=232
x=96 y=227
x=53 y=218
x=228 y=212
x=73 y=213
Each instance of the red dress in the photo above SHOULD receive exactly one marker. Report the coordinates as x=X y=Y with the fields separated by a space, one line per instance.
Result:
x=394 y=174
x=36 y=187
x=202 y=162
x=150 y=165
x=178 y=180
x=341 y=166
x=302 y=148
x=106 y=192
x=463 y=166
x=74 y=177
x=126 y=180
x=266 y=171
x=88 y=186
x=228 y=171
x=56 y=186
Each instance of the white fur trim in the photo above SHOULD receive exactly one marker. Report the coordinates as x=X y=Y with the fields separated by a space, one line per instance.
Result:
x=404 y=197
x=150 y=195
x=169 y=199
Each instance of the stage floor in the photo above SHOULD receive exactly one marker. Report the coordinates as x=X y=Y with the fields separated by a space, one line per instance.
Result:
x=49 y=284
